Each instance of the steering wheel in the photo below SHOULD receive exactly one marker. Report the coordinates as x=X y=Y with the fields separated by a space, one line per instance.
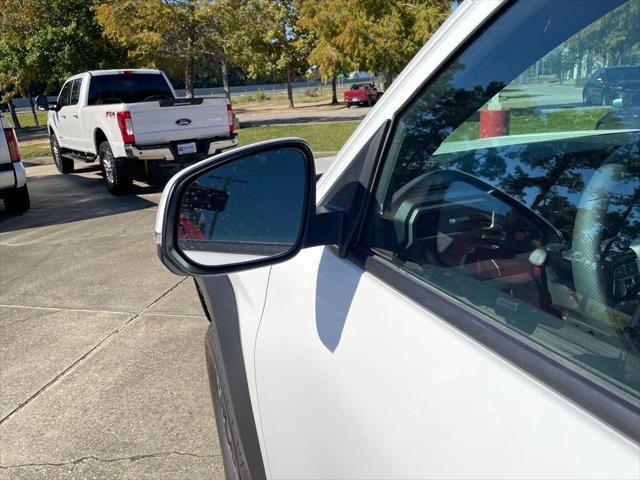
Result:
x=589 y=275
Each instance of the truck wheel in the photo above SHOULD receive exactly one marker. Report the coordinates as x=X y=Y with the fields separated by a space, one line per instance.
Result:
x=63 y=164
x=369 y=102
x=348 y=105
x=17 y=201
x=115 y=170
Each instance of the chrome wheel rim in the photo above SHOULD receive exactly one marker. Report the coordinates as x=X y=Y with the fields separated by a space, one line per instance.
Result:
x=107 y=165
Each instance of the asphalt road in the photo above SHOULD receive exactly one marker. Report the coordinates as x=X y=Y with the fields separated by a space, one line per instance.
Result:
x=102 y=367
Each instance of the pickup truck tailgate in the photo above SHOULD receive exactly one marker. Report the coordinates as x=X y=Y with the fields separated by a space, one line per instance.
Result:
x=169 y=121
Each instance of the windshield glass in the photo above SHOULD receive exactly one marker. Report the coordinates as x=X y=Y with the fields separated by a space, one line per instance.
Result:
x=128 y=88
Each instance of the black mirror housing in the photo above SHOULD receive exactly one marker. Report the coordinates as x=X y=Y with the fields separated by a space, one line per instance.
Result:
x=246 y=208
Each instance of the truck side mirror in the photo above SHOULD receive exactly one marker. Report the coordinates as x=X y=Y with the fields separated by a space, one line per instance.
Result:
x=42 y=103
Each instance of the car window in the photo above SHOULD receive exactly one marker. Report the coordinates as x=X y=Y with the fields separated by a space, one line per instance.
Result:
x=504 y=189
x=128 y=88
x=65 y=93
x=75 y=91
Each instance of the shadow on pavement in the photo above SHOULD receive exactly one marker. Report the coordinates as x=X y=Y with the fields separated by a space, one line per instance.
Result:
x=32 y=133
x=59 y=199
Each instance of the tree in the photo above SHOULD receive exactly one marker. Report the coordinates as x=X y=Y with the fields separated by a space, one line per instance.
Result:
x=327 y=20
x=383 y=36
x=64 y=40
x=157 y=32
x=374 y=35
x=272 y=41
x=613 y=39
x=223 y=39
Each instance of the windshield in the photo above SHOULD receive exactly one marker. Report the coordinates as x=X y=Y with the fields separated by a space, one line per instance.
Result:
x=128 y=88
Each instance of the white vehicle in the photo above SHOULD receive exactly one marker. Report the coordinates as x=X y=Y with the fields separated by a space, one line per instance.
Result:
x=459 y=294
x=131 y=120
x=13 y=179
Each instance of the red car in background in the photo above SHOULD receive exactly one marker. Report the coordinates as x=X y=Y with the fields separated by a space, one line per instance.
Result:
x=361 y=94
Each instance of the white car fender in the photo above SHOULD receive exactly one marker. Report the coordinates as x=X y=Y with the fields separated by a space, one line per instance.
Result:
x=100 y=123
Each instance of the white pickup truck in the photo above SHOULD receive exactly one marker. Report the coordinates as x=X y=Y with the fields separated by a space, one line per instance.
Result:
x=131 y=120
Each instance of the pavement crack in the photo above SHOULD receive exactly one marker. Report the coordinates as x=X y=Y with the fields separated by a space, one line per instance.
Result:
x=132 y=458
x=89 y=352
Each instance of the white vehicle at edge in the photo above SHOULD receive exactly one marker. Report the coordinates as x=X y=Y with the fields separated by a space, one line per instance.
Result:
x=13 y=178
x=450 y=300
x=130 y=120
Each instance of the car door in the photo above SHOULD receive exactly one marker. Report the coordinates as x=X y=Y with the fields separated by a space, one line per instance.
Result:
x=61 y=113
x=71 y=118
x=463 y=331
x=597 y=85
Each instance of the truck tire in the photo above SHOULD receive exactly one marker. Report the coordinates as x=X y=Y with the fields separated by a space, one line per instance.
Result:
x=115 y=170
x=63 y=164
x=17 y=201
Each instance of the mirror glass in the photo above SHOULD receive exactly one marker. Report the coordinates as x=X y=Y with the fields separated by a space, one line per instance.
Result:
x=245 y=210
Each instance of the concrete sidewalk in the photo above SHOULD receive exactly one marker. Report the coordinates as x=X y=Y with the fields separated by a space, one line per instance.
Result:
x=102 y=370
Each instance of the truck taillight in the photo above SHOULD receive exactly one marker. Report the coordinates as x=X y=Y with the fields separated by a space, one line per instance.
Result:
x=126 y=127
x=230 y=118
x=12 y=142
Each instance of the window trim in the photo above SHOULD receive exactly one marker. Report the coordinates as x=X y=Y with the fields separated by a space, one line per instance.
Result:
x=68 y=99
x=607 y=402
x=77 y=81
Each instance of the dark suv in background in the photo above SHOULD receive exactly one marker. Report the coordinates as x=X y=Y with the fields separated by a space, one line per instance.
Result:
x=610 y=83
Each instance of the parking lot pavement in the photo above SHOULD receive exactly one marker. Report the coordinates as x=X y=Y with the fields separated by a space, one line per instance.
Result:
x=102 y=371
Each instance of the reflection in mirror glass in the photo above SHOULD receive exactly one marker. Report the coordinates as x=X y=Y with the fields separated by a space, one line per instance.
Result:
x=244 y=210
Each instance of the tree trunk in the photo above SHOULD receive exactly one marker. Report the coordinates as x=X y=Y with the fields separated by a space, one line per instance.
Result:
x=225 y=78
x=188 y=71
x=188 y=76
x=33 y=111
x=334 y=93
x=14 y=117
x=289 y=87
x=387 y=79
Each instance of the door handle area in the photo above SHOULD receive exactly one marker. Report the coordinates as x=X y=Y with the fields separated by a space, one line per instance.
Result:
x=75 y=116
x=63 y=116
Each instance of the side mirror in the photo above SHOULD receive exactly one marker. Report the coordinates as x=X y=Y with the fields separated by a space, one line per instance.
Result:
x=42 y=103
x=245 y=208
